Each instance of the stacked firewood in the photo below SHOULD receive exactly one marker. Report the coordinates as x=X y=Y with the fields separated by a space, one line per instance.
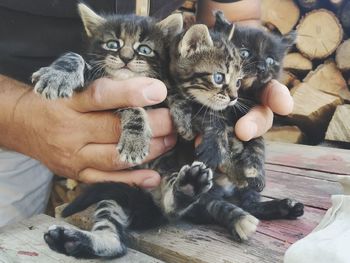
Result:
x=317 y=69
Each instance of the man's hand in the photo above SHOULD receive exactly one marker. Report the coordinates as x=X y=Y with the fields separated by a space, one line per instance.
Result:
x=77 y=137
x=275 y=98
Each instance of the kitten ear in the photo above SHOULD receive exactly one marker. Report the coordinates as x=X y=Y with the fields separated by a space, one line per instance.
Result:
x=289 y=39
x=90 y=19
x=221 y=23
x=171 y=25
x=195 y=39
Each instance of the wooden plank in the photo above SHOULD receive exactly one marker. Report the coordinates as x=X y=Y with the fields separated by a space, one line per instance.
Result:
x=309 y=191
x=23 y=242
x=182 y=243
x=292 y=230
x=296 y=171
x=323 y=159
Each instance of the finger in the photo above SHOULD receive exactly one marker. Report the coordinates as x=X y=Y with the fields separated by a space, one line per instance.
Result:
x=278 y=98
x=107 y=94
x=143 y=178
x=254 y=124
x=106 y=127
x=105 y=157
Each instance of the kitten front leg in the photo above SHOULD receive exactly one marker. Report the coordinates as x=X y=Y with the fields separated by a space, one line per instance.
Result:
x=134 y=142
x=181 y=113
x=212 y=147
x=106 y=239
x=181 y=190
x=61 y=78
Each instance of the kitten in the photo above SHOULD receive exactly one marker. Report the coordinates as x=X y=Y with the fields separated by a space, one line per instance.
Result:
x=262 y=54
x=119 y=47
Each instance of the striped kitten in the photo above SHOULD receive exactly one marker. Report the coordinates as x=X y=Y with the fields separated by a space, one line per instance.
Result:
x=118 y=47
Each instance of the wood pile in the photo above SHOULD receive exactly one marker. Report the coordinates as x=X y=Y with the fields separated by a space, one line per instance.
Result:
x=317 y=69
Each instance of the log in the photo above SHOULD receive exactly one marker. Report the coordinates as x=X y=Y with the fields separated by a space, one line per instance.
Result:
x=313 y=109
x=339 y=127
x=289 y=79
x=296 y=62
x=319 y=34
x=336 y=3
x=344 y=16
x=309 y=4
x=283 y=14
x=288 y=134
x=342 y=56
x=327 y=78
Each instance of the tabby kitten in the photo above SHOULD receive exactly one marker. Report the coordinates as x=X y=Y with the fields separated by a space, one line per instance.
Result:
x=119 y=47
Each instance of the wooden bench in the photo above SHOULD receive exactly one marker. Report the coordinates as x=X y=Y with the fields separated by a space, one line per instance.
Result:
x=301 y=172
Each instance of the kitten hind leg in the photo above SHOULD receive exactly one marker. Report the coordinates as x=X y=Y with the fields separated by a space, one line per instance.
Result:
x=181 y=190
x=240 y=223
x=269 y=210
x=61 y=78
x=134 y=142
x=106 y=239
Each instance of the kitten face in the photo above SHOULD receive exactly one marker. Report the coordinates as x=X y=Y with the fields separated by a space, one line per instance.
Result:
x=261 y=52
x=206 y=67
x=127 y=46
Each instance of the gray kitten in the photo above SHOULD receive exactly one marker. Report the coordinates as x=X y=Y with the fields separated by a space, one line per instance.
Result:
x=119 y=47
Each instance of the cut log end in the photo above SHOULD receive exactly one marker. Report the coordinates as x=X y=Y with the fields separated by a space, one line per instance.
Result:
x=319 y=34
x=343 y=56
x=339 y=127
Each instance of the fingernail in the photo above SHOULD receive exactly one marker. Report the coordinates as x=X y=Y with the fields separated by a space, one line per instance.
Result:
x=150 y=182
x=252 y=130
x=170 y=141
x=154 y=92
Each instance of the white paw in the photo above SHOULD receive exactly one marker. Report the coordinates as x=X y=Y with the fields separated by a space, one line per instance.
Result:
x=246 y=226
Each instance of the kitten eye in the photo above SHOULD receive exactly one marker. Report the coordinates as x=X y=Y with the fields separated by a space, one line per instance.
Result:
x=218 y=78
x=270 y=61
x=244 y=53
x=113 y=45
x=238 y=83
x=145 y=50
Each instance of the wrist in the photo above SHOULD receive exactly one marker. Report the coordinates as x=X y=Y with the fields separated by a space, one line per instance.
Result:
x=13 y=127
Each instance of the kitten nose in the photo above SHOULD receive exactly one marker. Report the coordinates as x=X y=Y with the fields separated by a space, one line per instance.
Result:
x=126 y=54
x=126 y=60
x=261 y=68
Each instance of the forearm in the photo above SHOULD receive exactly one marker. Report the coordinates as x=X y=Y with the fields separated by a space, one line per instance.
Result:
x=245 y=11
x=12 y=93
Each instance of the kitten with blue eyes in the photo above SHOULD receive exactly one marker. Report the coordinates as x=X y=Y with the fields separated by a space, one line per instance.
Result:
x=119 y=47
x=262 y=54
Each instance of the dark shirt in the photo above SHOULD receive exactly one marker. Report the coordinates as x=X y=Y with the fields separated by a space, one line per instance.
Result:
x=35 y=32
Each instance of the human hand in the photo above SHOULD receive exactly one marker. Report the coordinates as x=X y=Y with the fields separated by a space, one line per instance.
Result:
x=275 y=98
x=77 y=138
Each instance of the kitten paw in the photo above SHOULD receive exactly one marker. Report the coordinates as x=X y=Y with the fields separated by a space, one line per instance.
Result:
x=187 y=134
x=291 y=209
x=244 y=227
x=195 y=179
x=69 y=241
x=133 y=148
x=52 y=83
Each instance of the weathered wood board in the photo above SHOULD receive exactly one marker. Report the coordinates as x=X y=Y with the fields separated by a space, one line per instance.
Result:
x=23 y=242
x=304 y=173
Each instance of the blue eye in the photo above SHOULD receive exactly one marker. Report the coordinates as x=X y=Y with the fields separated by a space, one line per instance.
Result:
x=270 y=61
x=112 y=45
x=244 y=53
x=145 y=50
x=238 y=83
x=218 y=78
